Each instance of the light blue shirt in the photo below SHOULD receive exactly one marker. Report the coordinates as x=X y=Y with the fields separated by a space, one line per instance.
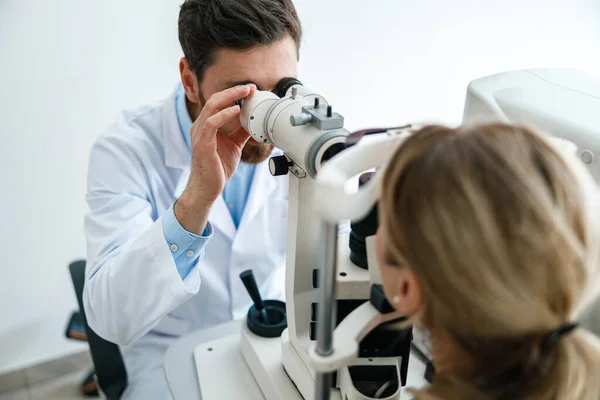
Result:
x=185 y=246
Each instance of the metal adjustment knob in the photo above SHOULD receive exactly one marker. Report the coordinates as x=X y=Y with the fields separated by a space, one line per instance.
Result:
x=300 y=119
x=279 y=165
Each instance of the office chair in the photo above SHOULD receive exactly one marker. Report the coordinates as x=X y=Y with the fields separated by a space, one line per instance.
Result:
x=108 y=362
x=76 y=331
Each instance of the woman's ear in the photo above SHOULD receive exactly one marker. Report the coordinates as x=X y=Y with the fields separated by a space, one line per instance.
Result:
x=405 y=291
x=189 y=80
x=400 y=283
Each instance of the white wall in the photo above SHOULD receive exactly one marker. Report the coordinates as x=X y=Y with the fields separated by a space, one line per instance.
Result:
x=67 y=67
x=390 y=61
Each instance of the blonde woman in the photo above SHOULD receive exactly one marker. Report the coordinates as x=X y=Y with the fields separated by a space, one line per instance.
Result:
x=489 y=238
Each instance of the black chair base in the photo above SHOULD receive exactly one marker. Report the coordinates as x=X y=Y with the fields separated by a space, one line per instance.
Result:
x=109 y=375
x=89 y=386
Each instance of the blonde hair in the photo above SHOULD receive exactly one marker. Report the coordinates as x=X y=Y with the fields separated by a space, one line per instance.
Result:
x=500 y=230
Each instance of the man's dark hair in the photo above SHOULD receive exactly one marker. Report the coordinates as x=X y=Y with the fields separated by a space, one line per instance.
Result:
x=206 y=26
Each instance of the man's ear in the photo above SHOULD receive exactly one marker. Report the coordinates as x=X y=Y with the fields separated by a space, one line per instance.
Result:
x=407 y=294
x=189 y=80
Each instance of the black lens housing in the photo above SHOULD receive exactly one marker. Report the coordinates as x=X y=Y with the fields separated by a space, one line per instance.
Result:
x=284 y=85
x=362 y=229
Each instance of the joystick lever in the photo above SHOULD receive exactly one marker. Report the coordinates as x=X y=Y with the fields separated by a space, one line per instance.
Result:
x=250 y=284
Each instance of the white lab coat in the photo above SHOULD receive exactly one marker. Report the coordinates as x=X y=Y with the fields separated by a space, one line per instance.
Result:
x=134 y=295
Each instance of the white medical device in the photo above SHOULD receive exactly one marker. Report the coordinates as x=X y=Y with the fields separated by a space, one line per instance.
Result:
x=304 y=126
x=356 y=353
x=561 y=102
x=564 y=103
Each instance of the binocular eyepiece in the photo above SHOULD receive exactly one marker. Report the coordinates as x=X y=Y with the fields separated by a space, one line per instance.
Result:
x=284 y=85
x=281 y=89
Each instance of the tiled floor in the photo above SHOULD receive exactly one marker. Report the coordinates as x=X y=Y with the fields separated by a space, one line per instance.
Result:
x=65 y=387
x=53 y=380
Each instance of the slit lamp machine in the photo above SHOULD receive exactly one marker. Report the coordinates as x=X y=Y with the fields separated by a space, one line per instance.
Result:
x=336 y=335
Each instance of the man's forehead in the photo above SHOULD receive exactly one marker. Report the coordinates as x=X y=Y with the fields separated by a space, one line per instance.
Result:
x=265 y=75
x=264 y=66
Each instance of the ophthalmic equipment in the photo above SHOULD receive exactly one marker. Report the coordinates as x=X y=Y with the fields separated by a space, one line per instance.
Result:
x=340 y=340
x=337 y=337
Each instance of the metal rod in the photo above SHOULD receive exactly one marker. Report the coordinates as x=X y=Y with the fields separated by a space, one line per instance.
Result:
x=326 y=305
x=326 y=309
x=323 y=386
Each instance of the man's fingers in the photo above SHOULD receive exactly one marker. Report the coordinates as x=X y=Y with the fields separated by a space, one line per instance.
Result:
x=213 y=123
x=221 y=100
x=252 y=89
x=218 y=110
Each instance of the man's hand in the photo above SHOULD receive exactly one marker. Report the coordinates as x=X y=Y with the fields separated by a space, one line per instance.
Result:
x=215 y=157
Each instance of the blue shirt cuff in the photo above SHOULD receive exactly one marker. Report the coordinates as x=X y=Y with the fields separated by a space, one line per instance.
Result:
x=185 y=246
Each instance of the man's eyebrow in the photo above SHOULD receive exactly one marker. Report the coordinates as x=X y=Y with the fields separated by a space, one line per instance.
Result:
x=232 y=83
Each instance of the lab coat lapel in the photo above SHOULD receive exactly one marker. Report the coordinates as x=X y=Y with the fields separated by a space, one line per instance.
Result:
x=220 y=218
x=176 y=152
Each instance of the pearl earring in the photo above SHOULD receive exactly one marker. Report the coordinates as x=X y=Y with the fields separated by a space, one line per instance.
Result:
x=396 y=299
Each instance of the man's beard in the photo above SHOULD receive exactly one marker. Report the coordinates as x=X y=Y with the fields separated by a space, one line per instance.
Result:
x=255 y=154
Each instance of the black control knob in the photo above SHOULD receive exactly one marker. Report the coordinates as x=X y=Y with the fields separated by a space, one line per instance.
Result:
x=279 y=165
x=265 y=318
x=247 y=278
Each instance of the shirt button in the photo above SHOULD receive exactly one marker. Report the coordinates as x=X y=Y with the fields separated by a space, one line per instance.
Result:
x=230 y=205
x=190 y=253
x=174 y=247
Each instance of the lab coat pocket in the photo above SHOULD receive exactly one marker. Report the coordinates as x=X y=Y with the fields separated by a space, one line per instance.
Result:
x=171 y=326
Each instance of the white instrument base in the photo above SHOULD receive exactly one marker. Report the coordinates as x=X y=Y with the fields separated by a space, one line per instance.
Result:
x=224 y=375
x=222 y=372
